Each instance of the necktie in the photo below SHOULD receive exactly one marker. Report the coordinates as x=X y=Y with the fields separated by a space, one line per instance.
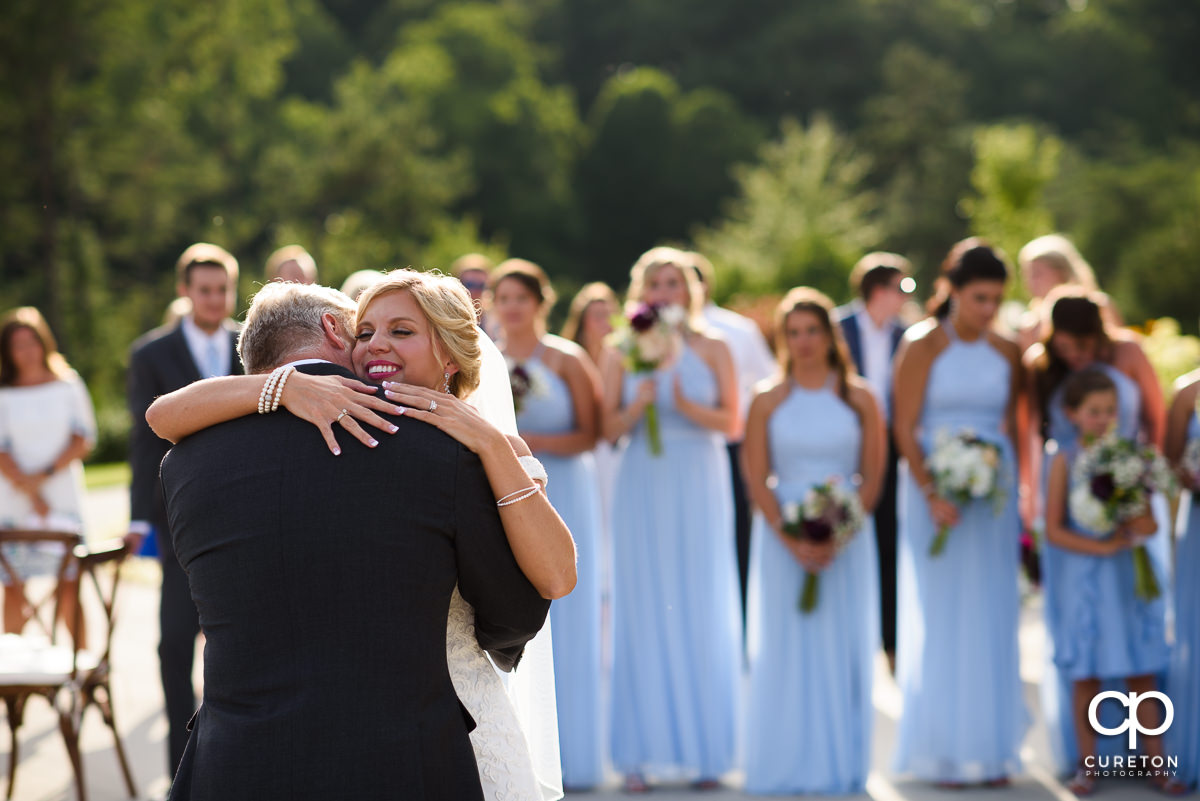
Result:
x=214 y=367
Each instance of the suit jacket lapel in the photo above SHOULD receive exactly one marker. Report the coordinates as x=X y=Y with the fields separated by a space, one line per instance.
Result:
x=853 y=340
x=235 y=362
x=183 y=355
x=897 y=335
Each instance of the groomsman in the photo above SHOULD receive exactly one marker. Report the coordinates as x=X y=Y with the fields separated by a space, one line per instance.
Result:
x=202 y=344
x=872 y=329
x=753 y=362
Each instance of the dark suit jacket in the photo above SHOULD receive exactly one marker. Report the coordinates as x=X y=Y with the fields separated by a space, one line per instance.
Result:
x=323 y=585
x=847 y=316
x=159 y=362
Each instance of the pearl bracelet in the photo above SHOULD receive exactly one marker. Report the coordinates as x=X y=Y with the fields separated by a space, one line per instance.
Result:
x=287 y=371
x=272 y=391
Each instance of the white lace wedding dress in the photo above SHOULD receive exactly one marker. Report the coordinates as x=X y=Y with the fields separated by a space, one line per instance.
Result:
x=516 y=734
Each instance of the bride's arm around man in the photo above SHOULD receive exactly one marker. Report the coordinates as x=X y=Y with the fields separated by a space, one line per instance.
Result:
x=323 y=584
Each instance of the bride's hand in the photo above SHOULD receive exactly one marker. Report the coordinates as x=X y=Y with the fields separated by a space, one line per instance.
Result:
x=455 y=417
x=320 y=399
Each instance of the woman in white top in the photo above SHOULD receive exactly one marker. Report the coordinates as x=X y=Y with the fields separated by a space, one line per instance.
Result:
x=46 y=427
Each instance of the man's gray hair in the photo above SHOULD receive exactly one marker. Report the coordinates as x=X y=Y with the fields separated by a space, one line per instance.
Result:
x=284 y=320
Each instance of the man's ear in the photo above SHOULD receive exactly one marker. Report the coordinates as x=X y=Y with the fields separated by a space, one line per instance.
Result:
x=334 y=332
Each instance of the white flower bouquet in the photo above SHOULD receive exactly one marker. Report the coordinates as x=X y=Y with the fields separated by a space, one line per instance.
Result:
x=1111 y=482
x=831 y=512
x=965 y=468
x=648 y=337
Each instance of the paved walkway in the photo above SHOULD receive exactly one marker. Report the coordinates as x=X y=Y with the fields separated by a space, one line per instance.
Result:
x=44 y=773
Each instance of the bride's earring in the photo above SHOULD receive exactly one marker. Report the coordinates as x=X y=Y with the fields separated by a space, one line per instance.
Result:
x=446 y=386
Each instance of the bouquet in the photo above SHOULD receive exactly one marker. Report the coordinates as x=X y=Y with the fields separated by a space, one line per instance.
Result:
x=965 y=468
x=648 y=337
x=523 y=383
x=1111 y=482
x=830 y=513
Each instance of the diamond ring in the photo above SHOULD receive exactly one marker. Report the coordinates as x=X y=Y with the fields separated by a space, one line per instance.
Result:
x=433 y=406
x=340 y=416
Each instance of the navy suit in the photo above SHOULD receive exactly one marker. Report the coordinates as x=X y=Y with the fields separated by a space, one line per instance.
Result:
x=885 y=512
x=160 y=362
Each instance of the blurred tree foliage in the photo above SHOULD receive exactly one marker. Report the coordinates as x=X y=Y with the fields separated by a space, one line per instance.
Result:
x=784 y=138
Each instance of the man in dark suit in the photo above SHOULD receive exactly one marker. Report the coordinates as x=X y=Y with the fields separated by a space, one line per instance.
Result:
x=872 y=329
x=203 y=344
x=323 y=585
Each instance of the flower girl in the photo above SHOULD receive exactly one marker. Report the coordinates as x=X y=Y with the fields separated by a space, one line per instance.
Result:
x=1113 y=616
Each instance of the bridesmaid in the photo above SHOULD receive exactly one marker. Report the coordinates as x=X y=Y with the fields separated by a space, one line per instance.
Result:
x=808 y=727
x=589 y=322
x=558 y=418
x=963 y=717
x=676 y=627
x=1078 y=337
x=1183 y=680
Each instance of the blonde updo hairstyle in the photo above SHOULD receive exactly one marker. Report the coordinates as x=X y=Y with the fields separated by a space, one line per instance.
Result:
x=658 y=258
x=450 y=313
x=1062 y=255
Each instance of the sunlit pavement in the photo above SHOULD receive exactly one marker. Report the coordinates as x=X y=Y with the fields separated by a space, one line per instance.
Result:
x=44 y=773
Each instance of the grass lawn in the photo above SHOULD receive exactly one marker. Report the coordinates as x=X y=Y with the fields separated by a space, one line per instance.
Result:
x=113 y=474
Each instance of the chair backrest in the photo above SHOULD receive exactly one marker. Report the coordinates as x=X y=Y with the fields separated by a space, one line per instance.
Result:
x=92 y=558
x=42 y=553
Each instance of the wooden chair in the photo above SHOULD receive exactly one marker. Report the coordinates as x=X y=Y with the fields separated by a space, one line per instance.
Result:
x=38 y=663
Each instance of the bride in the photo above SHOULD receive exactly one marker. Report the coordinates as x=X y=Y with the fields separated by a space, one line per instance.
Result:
x=415 y=332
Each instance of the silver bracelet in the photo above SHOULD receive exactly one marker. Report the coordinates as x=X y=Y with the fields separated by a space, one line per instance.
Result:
x=521 y=494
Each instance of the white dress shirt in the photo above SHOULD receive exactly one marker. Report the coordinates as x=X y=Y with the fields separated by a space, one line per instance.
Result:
x=876 y=344
x=212 y=353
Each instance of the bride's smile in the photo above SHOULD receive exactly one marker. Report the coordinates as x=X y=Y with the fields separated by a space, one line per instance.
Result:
x=393 y=343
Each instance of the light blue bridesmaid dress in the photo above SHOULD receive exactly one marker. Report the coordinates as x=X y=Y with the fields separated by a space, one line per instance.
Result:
x=1183 y=681
x=809 y=712
x=676 y=617
x=1093 y=620
x=957 y=665
x=575 y=619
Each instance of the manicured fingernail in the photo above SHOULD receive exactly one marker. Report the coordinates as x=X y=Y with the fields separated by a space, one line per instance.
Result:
x=394 y=428
x=337 y=451
x=397 y=410
x=372 y=443
x=400 y=410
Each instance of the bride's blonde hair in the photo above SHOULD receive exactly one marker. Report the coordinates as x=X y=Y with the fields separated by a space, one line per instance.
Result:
x=451 y=316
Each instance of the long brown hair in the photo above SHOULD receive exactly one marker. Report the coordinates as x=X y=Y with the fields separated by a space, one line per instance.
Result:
x=1075 y=311
x=31 y=318
x=595 y=292
x=807 y=299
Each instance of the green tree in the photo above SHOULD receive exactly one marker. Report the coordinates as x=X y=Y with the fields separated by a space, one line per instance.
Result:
x=803 y=215
x=1013 y=167
x=658 y=161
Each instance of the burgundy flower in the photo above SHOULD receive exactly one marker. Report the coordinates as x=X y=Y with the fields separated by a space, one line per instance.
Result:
x=1103 y=486
x=644 y=318
x=818 y=530
x=521 y=382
